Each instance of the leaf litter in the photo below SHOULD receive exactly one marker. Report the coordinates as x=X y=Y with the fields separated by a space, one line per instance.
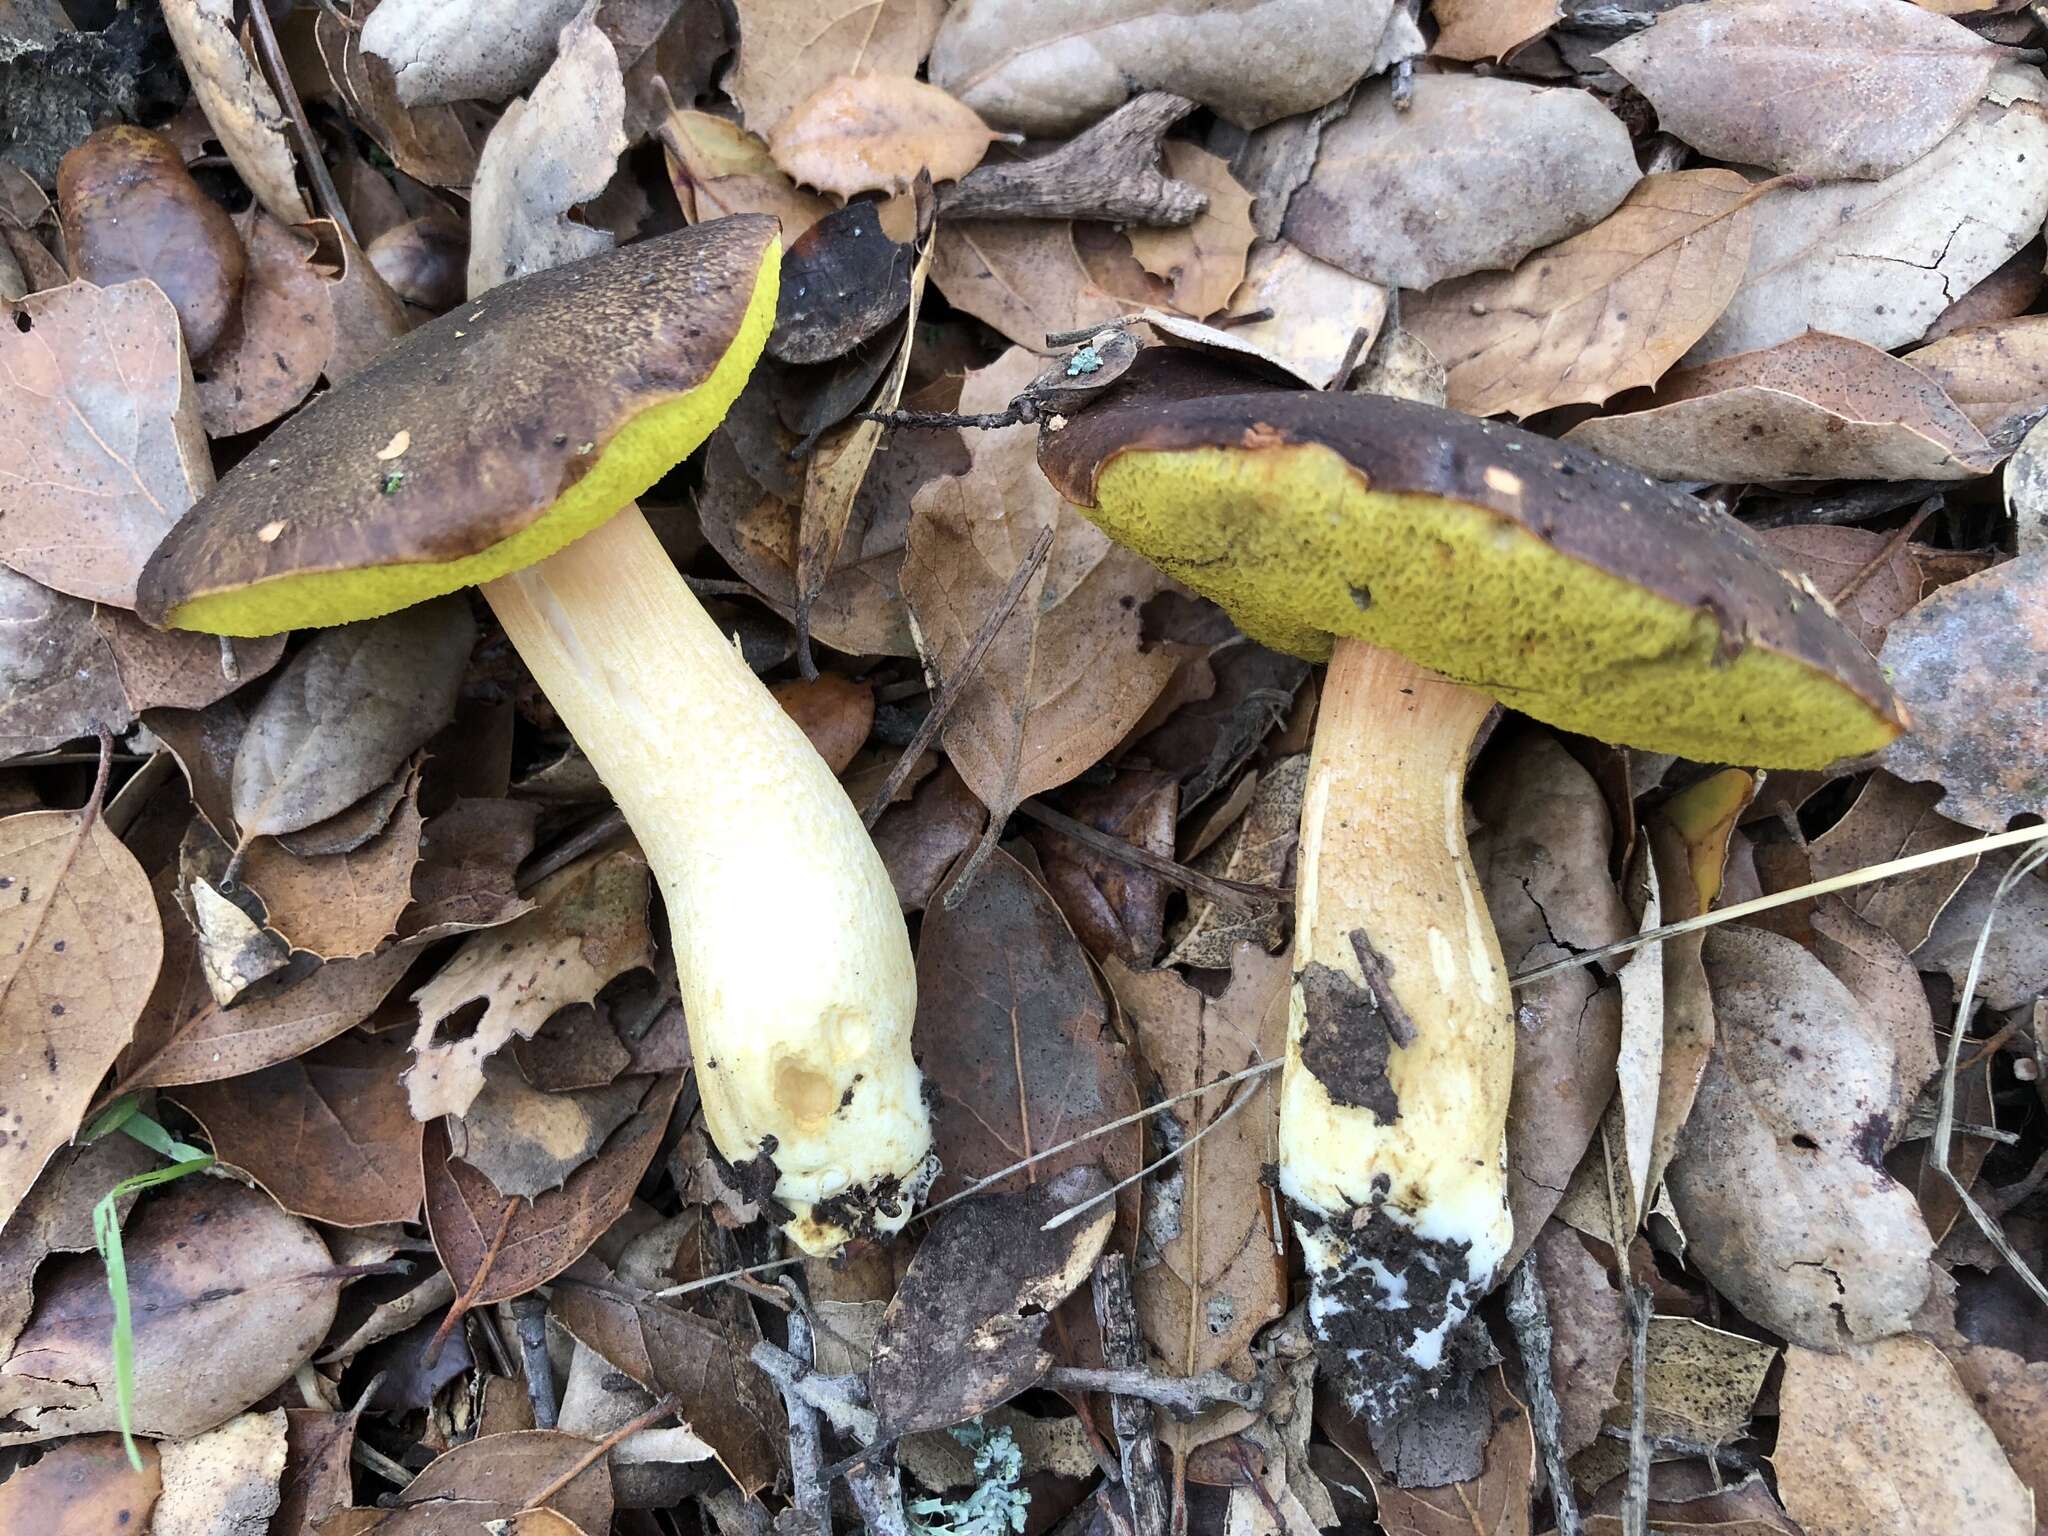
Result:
x=350 y=911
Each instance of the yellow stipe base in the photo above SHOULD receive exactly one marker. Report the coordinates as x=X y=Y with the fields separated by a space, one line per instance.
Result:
x=1292 y=542
x=647 y=447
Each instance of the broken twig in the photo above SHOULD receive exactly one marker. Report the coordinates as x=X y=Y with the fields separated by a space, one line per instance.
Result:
x=1116 y=1313
x=1110 y=173
x=1529 y=1316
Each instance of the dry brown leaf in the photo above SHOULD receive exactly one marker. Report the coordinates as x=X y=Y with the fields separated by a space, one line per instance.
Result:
x=57 y=1218
x=1114 y=906
x=238 y=102
x=1880 y=261
x=1220 y=1276
x=1319 y=312
x=1880 y=1440
x=1475 y=175
x=1064 y=679
x=551 y=150
x=2014 y=969
x=1205 y=260
x=1891 y=819
x=105 y=449
x=1494 y=1503
x=1826 y=88
x=1259 y=848
x=1779 y=1176
x=1699 y=1383
x=327 y=1134
x=342 y=904
x=278 y=342
x=57 y=675
x=80 y=944
x=1051 y=67
x=527 y=1142
x=873 y=133
x=788 y=48
x=1607 y=310
x=1817 y=407
x=441 y=52
x=1993 y=372
x=1830 y=556
x=835 y=714
x=1024 y=277
x=439 y=145
x=368 y=314
x=230 y=1297
x=1487 y=29
x=316 y=1480
x=180 y=669
x=1589 y=1333
x=590 y=925
x=83 y=1487
x=2011 y=1394
x=494 y=1477
x=1971 y=665
x=717 y=168
x=223 y=1482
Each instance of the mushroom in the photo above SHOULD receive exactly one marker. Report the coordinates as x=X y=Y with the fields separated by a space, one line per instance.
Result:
x=1440 y=564
x=502 y=445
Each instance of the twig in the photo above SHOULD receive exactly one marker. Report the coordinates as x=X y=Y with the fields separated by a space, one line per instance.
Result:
x=1181 y=1396
x=1109 y=173
x=288 y=94
x=530 y=1320
x=877 y=1489
x=1236 y=894
x=460 y=1307
x=367 y=1455
x=1678 y=1445
x=842 y=1399
x=1529 y=1316
x=593 y=834
x=1842 y=882
x=653 y=1416
x=1890 y=547
x=1116 y=1314
x=809 y=1500
x=727 y=1278
x=1635 y=1500
x=1062 y=1218
x=952 y=687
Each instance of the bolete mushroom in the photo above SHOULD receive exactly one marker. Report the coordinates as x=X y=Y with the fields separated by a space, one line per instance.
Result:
x=503 y=445
x=1440 y=564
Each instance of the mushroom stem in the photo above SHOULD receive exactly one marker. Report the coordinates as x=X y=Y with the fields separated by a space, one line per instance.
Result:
x=1401 y=1035
x=795 y=967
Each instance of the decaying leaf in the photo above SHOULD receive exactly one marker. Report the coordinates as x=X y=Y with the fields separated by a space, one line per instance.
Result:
x=440 y=52
x=1824 y=88
x=1604 y=311
x=788 y=48
x=1487 y=29
x=1589 y=1333
x=57 y=1218
x=230 y=1296
x=1779 y=1175
x=1320 y=312
x=2015 y=963
x=222 y=1482
x=1816 y=407
x=345 y=903
x=82 y=1486
x=1475 y=175
x=589 y=925
x=105 y=450
x=1258 y=847
x=864 y=133
x=1022 y=276
x=80 y=943
x=1971 y=664
x=239 y=104
x=527 y=1142
x=1205 y=260
x=1115 y=907
x=1831 y=557
x=965 y=1330
x=1881 y=260
x=1494 y=1501
x=277 y=344
x=719 y=168
x=493 y=1477
x=439 y=145
x=1994 y=373
x=327 y=1133
x=57 y=676
x=1892 y=819
x=1054 y=66
x=1880 y=1439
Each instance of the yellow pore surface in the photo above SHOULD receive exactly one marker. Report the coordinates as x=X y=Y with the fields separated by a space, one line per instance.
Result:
x=648 y=446
x=1295 y=545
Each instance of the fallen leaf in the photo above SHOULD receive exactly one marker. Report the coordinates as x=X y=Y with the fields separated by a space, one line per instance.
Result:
x=1204 y=260
x=921 y=840
x=1221 y=1274
x=965 y=1330
x=546 y=1235
x=1829 y=557
x=80 y=943
x=223 y=1482
x=1968 y=664
x=238 y=102
x=1064 y=678
x=1050 y=67
x=438 y=52
x=1779 y=1176
x=469 y=861
x=1496 y=1502
x=1258 y=848
x=1022 y=276
x=1487 y=29
x=2011 y=1394
x=1474 y=175
x=527 y=1142
x=1699 y=1383
x=1606 y=310
x=1589 y=1341
x=1880 y=1440
x=789 y=48
x=1823 y=88
x=717 y=168
x=1115 y=907
x=1881 y=260
x=326 y=1134
x=1882 y=978
x=495 y=1476
x=843 y=282
x=131 y=209
x=230 y=1297
x=835 y=713
x=1743 y=1509
x=56 y=1217
x=1817 y=407
x=873 y=133
x=438 y=145
x=180 y=669
x=1892 y=819
x=105 y=447
x=588 y=926
x=316 y=1476
x=1319 y=312
x=83 y=1487
x=57 y=675
x=552 y=150
x=367 y=314
x=350 y=707
x=2014 y=968
x=425 y=261
x=1993 y=373
x=701 y=1361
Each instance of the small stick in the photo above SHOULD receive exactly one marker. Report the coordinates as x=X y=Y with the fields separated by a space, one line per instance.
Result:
x=727 y=1278
x=653 y=1416
x=951 y=689
x=877 y=1489
x=1109 y=173
x=288 y=94
x=1529 y=1316
x=1679 y=1445
x=842 y=1399
x=530 y=1318
x=1635 y=1502
x=1116 y=1314
x=1182 y=1396
x=592 y=835
x=809 y=1500
x=1236 y=894
x=460 y=1307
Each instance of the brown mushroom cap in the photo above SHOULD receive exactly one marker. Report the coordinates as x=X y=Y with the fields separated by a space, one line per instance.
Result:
x=481 y=442
x=1571 y=588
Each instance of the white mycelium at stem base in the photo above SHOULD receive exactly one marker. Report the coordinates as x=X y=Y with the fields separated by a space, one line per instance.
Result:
x=1400 y=1049
x=795 y=967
